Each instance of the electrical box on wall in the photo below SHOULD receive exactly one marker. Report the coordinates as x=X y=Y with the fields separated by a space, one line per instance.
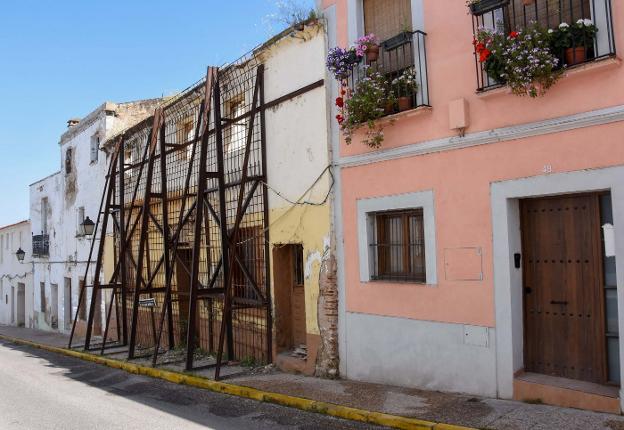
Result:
x=458 y=114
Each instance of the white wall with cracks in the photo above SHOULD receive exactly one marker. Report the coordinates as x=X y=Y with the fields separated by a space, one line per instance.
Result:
x=60 y=202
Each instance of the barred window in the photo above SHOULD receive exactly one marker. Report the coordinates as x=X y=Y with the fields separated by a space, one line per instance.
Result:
x=398 y=246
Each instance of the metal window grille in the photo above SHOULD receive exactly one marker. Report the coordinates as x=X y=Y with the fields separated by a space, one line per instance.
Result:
x=514 y=15
x=399 y=247
x=41 y=245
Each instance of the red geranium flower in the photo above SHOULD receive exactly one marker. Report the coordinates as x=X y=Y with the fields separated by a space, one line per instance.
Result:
x=514 y=34
x=340 y=118
x=340 y=102
x=484 y=55
x=343 y=91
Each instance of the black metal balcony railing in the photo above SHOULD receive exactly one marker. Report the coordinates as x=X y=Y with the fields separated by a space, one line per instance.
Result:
x=41 y=245
x=396 y=55
x=514 y=15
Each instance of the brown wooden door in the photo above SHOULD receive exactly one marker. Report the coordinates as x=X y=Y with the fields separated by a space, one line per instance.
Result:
x=563 y=295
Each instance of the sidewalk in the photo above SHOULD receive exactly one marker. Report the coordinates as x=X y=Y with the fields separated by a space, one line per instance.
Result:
x=463 y=410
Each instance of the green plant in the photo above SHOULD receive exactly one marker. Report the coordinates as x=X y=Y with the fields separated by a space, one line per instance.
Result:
x=490 y=47
x=522 y=60
x=580 y=34
x=406 y=85
x=293 y=13
x=365 y=106
x=249 y=361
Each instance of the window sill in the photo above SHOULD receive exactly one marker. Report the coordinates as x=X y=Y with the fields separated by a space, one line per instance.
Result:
x=599 y=64
x=382 y=282
x=405 y=114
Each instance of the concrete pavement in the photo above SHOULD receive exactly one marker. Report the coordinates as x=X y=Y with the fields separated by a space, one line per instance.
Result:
x=43 y=390
x=459 y=409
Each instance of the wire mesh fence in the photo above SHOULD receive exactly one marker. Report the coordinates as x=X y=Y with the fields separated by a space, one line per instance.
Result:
x=190 y=224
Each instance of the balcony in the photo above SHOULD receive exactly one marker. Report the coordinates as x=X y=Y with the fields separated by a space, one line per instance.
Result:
x=41 y=245
x=508 y=16
x=396 y=55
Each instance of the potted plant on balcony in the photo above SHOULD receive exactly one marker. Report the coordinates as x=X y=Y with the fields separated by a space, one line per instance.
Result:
x=572 y=42
x=522 y=60
x=364 y=107
x=340 y=62
x=480 y=7
x=368 y=46
x=405 y=87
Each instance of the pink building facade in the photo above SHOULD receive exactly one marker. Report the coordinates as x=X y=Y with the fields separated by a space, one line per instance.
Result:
x=478 y=246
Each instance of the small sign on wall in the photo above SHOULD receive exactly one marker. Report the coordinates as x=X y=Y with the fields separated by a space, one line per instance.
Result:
x=147 y=303
x=463 y=264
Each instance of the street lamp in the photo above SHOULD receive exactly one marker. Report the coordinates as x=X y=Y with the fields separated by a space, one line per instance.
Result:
x=20 y=254
x=88 y=226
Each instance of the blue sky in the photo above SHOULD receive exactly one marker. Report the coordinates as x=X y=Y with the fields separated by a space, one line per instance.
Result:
x=61 y=59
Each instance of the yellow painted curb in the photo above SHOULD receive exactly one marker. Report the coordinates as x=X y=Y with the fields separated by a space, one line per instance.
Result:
x=338 y=411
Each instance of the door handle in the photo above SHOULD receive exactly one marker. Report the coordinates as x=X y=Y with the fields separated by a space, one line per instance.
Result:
x=558 y=302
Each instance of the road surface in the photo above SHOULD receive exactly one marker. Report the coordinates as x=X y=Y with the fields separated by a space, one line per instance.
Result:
x=43 y=390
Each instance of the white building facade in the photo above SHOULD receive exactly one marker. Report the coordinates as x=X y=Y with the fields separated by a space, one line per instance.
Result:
x=16 y=277
x=61 y=202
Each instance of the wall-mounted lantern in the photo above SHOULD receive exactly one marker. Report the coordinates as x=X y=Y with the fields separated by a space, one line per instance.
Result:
x=20 y=254
x=88 y=226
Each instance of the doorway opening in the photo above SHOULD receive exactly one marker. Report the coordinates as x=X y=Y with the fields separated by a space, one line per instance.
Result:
x=569 y=288
x=67 y=304
x=290 y=306
x=21 y=304
x=12 y=305
x=54 y=306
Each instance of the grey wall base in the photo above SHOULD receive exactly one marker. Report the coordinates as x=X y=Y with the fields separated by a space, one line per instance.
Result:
x=421 y=354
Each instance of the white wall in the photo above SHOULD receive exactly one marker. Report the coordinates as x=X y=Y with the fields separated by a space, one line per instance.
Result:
x=12 y=273
x=66 y=193
x=296 y=129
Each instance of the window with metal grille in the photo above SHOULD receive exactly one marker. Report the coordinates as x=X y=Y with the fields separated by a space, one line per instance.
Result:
x=515 y=15
x=398 y=246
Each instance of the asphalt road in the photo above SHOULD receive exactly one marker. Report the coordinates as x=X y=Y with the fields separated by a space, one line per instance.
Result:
x=43 y=390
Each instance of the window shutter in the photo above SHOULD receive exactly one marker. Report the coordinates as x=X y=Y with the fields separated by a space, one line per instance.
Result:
x=387 y=18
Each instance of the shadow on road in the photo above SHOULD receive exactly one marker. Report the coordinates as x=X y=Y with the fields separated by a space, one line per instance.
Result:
x=185 y=402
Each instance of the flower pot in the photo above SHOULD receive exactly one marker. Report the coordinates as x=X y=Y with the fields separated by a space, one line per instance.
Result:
x=389 y=108
x=405 y=103
x=372 y=53
x=528 y=2
x=485 y=6
x=575 y=55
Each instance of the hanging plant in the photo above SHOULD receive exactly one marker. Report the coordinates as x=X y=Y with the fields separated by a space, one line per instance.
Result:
x=340 y=62
x=366 y=104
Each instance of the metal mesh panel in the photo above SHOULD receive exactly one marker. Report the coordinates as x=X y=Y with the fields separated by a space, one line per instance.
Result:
x=190 y=220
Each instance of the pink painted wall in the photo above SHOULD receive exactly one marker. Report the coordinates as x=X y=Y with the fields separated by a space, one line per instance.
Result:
x=460 y=179
x=461 y=182
x=452 y=75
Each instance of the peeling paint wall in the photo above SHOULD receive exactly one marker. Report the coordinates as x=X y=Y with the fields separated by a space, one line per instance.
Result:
x=71 y=193
x=298 y=157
